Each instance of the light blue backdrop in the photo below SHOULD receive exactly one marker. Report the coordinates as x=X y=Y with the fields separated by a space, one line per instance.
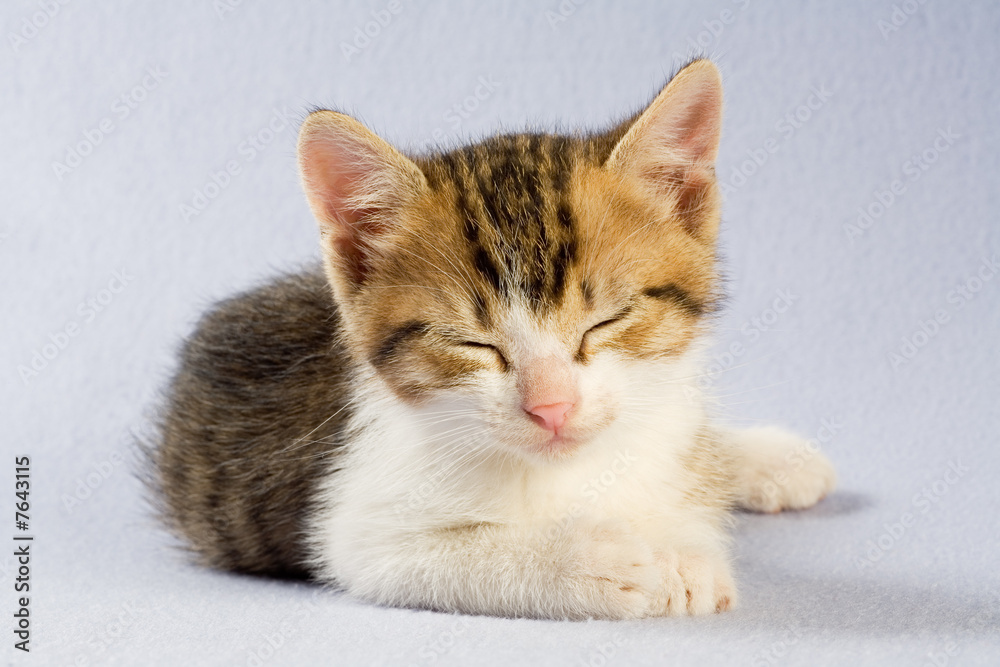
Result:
x=147 y=169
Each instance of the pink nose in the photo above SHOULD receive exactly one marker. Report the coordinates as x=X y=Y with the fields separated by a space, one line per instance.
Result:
x=550 y=417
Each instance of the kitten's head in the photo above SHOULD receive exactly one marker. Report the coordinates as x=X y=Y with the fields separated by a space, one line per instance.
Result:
x=533 y=283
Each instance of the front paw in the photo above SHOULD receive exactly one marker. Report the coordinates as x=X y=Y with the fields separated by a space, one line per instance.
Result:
x=782 y=471
x=610 y=573
x=694 y=584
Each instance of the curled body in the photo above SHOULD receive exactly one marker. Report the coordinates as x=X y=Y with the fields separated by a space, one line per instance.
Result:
x=486 y=400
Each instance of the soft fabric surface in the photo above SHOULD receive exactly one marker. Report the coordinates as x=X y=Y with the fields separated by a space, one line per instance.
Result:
x=875 y=335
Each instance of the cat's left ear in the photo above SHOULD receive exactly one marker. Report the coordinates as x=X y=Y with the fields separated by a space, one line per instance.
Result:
x=671 y=147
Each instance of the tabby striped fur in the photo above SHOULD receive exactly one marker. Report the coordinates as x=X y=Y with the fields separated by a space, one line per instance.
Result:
x=494 y=328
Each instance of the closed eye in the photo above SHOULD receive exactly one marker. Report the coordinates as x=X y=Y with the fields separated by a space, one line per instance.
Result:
x=605 y=323
x=600 y=326
x=618 y=317
x=472 y=343
x=485 y=346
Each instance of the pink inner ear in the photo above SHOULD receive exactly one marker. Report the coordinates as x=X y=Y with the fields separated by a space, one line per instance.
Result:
x=679 y=129
x=332 y=177
x=689 y=185
x=330 y=182
x=340 y=161
x=672 y=146
x=693 y=123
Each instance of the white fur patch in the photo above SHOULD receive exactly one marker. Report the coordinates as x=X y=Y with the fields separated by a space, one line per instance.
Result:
x=429 y=508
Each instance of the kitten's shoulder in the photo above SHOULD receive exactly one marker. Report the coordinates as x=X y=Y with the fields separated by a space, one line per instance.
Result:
x=276 y=346
x=276 y=324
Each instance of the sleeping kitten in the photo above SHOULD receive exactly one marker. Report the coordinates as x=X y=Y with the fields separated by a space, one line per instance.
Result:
x=486 y=401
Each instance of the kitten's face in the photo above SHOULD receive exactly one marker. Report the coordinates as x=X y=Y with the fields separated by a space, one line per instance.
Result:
x=488 y=299
x=525 y=288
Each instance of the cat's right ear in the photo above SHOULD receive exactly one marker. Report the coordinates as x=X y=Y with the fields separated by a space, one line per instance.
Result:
x=354 y=181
